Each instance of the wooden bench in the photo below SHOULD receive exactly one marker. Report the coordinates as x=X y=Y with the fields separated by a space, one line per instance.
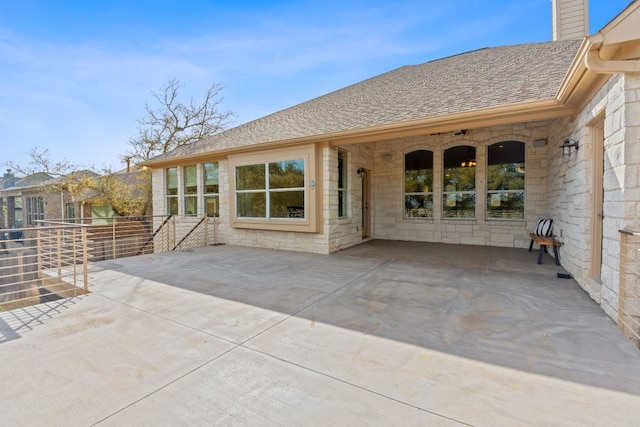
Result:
x=544 y=242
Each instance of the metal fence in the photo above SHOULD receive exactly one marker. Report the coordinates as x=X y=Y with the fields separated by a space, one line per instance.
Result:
x=52 y=260
x=629 y=291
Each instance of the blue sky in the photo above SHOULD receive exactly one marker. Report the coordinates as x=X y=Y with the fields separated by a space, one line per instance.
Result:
x=75 y=75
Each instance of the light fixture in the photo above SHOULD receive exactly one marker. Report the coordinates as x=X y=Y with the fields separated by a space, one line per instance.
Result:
x=468 y=162
x=566 y=146
x=361 y=171
x=462 y=132
x=387 y=157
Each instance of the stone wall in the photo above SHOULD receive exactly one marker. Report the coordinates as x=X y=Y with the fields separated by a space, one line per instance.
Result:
x=390 y=222
x=571 y=185
x=346 y=232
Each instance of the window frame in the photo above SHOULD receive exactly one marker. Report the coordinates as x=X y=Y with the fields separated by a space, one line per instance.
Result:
x=171 y=197
x=343 y=175
x=311 y=189
x=456 y=196
x=188 y=196
x=408 y=213
x=209 y=195
x=522 y=190
x=35 y=209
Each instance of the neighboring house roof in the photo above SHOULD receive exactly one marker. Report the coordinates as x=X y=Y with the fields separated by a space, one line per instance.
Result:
x=476 y=80
x=30 y=181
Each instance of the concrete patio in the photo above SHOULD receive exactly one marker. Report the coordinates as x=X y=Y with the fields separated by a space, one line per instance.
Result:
x=385 y=333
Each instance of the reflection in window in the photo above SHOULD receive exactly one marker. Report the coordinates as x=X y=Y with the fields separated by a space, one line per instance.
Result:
x=190 y=190
x=459 y=182
x=418 y=184
x=211 y=186
x=271 y=190
x=342 y=184
x=505 y=180
x=171 y=180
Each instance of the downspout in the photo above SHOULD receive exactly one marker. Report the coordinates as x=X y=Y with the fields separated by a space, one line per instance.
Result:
x=594 y=63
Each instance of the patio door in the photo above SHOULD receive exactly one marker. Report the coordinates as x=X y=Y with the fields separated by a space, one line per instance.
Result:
x=597 y=210
x=366 y=202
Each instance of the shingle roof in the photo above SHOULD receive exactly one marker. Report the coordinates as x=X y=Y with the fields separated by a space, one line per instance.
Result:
x=470 y=81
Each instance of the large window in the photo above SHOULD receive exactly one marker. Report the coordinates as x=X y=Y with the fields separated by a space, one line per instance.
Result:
x=342 y=184
x=211 y=187
x=35 y=210
x=172 y=190
x=505 y=180
x=459 y=182
x=271 y=190
x=190 y=190
x=418 y=184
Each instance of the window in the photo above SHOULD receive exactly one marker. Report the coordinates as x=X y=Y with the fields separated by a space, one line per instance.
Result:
x=190 y=190
x=172 y=191
x=271 y=190
x=35 y=210
x=505 y=180
x=211 y=187
x=459 y=182
x=71 y=212
x=418 y=184
x=342 y=184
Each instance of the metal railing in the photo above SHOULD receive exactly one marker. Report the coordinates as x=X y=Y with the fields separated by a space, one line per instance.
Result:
x=52 y=260
x=629 y=291
x=42 y=264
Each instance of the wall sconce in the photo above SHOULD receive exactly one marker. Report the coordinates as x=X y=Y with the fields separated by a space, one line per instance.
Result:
x=387 y=157
x=567 y=145
x=361 y=171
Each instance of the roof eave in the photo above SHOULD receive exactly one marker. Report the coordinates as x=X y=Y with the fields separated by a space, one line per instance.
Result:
x=500 y=115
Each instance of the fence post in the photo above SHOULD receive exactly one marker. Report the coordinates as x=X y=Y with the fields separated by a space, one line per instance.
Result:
x=74 y=248
x=113 y=239
x=20 y=268
x=39 y=251
x=85 y=258
x=59 y=242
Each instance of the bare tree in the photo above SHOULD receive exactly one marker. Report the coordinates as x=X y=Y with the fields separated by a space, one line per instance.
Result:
x=41 y=161
x=173 y=123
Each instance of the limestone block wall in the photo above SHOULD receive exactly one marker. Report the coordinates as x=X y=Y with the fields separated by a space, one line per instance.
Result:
x=347 y=231
x=571 y=185
x=223 y=232
x=388 y=204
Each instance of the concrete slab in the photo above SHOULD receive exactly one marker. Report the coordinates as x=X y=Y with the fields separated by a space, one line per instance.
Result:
x=386 y=333
x=248 y=388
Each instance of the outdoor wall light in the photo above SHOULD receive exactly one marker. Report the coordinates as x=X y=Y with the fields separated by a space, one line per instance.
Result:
x=361 y=171
x=567 y=145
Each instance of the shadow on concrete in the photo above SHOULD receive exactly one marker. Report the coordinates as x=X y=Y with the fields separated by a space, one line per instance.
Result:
x=17 y=322
x=494 y=305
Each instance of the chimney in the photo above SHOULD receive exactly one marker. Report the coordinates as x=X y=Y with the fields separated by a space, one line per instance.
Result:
x=9 y=179
x=570 y=19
